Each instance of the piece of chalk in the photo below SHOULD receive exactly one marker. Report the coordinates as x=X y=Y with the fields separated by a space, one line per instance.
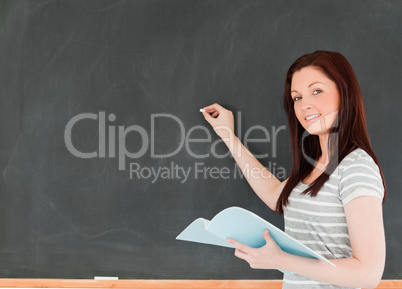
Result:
x=202 y=110
x=105 y=278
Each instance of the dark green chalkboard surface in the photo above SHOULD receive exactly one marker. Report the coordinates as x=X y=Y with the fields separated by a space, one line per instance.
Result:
x=104 y=155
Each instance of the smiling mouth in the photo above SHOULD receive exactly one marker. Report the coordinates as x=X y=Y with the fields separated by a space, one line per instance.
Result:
x=311 y=117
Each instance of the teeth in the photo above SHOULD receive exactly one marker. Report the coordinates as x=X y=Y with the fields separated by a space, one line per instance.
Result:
x=312 y=116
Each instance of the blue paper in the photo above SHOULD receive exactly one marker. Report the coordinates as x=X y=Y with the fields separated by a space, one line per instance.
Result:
x=245 y=227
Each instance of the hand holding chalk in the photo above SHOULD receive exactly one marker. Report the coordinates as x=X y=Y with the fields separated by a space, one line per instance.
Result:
x=220 y=119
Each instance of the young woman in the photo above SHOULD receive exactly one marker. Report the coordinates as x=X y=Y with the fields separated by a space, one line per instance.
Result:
x=332 y=200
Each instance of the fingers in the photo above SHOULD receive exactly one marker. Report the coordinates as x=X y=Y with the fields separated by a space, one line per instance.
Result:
x=242 y=255
x=239 y=246
x=214 y=106
x=241 y=249
x=267 y=236
x=213 y=110
x=212 y=114
x=265 y=257
x=208 y=118
x=221 y=119
x=215 y=114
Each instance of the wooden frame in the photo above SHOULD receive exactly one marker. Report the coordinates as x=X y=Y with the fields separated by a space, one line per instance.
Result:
x=156 y=284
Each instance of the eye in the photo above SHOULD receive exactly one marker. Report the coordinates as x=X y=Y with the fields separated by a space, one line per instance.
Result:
x=296 y=98
x=317 y=91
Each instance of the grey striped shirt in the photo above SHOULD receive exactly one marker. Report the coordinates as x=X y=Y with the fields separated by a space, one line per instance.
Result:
x=320 y=222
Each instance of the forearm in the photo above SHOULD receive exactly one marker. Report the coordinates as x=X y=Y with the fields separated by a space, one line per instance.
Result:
x=349 y=272
x=262 y=181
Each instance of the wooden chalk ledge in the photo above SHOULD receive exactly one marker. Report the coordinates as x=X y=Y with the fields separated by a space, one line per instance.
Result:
x=156 y=284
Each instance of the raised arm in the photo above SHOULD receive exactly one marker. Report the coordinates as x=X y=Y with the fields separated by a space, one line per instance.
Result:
x=262 y=181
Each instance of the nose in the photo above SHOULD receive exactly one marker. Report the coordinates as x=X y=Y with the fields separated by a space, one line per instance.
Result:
x=306 y=102
x=306 y=106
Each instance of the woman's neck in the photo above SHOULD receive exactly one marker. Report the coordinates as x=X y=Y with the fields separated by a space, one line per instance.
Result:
x=323 y=160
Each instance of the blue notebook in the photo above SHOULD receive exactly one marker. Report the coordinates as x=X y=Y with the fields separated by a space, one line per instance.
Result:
x=245 y=227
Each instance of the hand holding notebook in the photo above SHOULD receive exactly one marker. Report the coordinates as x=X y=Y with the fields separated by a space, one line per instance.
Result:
x=245 y=227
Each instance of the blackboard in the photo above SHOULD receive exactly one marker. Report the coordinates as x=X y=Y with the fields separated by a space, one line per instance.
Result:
x=97 y=96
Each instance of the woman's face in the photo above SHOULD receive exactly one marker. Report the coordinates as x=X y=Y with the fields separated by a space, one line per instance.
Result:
x=316 y=100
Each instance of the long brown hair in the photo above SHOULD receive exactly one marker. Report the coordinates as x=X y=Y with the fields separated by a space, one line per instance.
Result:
x=348 y=133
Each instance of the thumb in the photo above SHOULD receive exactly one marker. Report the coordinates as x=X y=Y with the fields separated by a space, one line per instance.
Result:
x=208 y=117
x=267 y=236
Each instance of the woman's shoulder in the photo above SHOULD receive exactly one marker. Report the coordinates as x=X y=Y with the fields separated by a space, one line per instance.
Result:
x=357 y=156
x=359 y=175
x=357 y=160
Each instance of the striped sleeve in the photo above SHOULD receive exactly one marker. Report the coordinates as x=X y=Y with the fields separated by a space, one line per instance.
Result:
x=360 y=177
